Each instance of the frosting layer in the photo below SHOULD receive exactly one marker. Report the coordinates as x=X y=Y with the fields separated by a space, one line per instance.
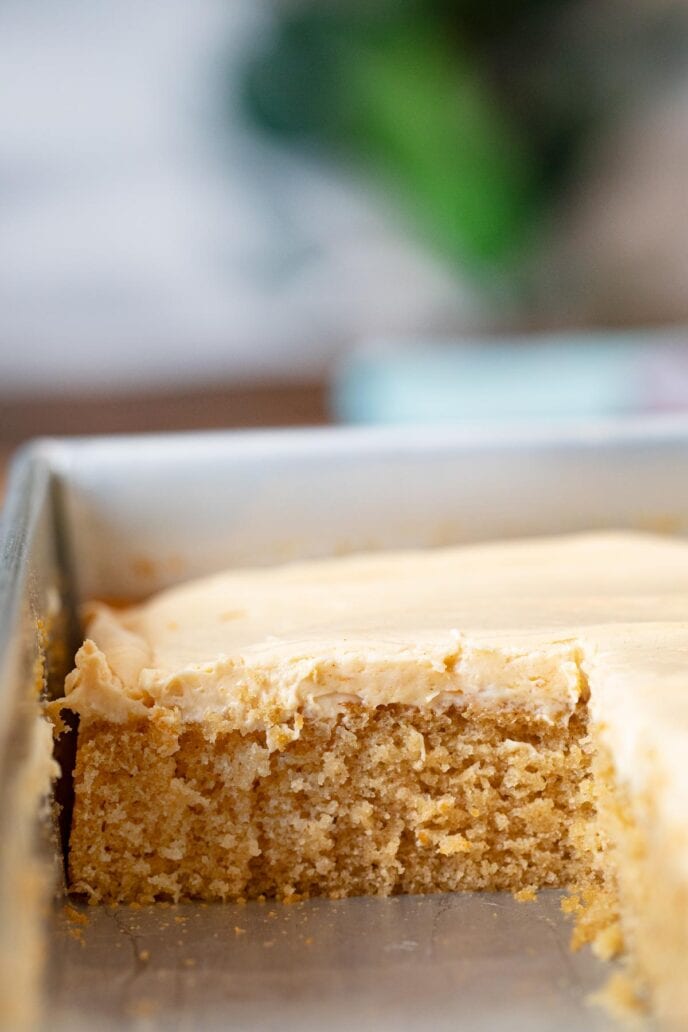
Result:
x=495 y=625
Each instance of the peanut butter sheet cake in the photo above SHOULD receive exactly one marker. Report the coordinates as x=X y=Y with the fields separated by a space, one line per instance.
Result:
x=501 y=717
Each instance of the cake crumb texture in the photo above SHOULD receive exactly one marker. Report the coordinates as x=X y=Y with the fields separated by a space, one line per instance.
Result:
x=367 y=802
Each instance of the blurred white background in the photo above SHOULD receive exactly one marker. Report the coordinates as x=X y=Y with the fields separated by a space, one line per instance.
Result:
x=148 y=238
x=210 y=212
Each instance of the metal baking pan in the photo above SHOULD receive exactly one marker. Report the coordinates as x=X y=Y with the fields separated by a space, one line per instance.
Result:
x=122 y=517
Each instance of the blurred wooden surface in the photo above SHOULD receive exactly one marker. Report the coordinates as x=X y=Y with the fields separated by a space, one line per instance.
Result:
x=209 y=408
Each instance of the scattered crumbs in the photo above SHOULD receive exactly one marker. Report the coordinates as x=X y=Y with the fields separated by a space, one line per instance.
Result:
x=596 y=919
x=608 y=943
x=239 y=931
x=189 y=962
x=309 y=941
x=570 y=904
x=527 y=895
x=619 y=999
x=261 y=898
x=74 y=915
x=179 y=920
x=164 y=904
x=272 y=913
x=77 y=934
x=241 y=900
x=268 y=943
x=144 y=956
x=134 y=906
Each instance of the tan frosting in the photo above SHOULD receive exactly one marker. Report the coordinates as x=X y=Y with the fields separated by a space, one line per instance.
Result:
x=520 y=624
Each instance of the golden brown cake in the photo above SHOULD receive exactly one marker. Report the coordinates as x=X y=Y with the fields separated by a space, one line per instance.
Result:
x=506 y=716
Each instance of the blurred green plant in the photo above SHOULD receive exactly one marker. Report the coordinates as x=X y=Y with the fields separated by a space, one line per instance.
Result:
x=405 y=87
x=473 y=114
